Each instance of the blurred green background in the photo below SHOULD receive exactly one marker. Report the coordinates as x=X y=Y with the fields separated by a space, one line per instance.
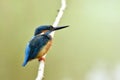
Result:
x=90 y=47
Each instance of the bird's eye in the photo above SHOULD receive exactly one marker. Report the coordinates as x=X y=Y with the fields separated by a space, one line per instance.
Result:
x=51 y=27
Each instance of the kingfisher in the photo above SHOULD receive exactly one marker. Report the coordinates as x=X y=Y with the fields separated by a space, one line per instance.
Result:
x=40 y=43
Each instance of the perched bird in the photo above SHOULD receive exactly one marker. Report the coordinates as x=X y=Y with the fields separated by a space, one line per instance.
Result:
x=40 y=43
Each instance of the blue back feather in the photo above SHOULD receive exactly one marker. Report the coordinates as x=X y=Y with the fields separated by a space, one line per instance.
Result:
x=35 y=45
x=27 y=51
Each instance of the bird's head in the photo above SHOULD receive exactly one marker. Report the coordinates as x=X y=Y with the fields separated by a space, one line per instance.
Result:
x=45 y=28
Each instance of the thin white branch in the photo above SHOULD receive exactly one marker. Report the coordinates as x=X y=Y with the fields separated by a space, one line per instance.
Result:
x=41 y=70
x=56 y=22
x=60 y=13
x=59 y=16
x=40 y=75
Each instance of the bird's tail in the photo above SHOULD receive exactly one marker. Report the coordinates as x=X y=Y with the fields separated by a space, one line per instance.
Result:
x=25 y=62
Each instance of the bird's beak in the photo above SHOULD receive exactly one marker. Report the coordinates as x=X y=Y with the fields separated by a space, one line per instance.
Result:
x=60 y=27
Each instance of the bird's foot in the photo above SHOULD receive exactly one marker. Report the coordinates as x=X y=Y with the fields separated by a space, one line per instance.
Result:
x=41 y=59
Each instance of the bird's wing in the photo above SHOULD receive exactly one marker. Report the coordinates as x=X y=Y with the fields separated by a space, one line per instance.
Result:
x=27 y=51
x=34 y=46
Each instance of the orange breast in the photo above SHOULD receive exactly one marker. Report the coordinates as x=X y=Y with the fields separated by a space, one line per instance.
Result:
x=45 y=49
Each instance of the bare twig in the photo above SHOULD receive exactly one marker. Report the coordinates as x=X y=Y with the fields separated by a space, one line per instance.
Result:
x=42 y=62
x=59 y=16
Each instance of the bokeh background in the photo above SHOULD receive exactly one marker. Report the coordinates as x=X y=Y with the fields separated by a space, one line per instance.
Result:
x=88 y=50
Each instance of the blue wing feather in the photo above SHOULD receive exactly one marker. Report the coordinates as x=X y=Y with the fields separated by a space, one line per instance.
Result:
x=34 y=46
x=27 y=53
x=37 y=44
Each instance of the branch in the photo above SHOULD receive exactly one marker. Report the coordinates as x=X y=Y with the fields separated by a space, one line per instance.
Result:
x=56 y=22
x=40 y=75
x=59 y=16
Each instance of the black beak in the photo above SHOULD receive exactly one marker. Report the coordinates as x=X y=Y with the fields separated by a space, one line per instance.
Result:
x=60 y=27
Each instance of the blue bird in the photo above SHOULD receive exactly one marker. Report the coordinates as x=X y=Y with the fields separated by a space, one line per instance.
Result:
x=40 y=43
